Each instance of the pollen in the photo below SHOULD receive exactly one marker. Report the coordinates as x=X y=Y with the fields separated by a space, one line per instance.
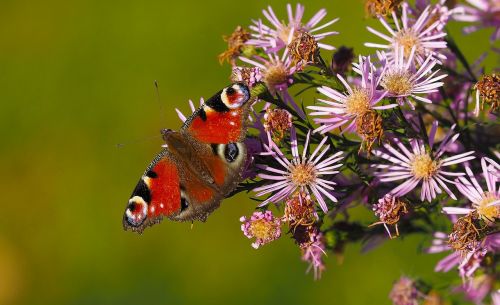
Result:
x=408 y=39
x=397 y=82
x=303 y=174
x=422 y=166
x=358 y=102
x=488 y=212
x=263 y=229
x=275 y=75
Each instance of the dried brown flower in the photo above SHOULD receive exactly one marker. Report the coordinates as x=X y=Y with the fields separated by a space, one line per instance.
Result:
x=303 y=48
x=467 y=233
x=376 y=8
x=235 y=43
x=277 y=122
x=489 y=90
x=369 y=127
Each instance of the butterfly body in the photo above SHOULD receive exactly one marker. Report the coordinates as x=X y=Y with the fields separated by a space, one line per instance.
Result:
x=198 y=167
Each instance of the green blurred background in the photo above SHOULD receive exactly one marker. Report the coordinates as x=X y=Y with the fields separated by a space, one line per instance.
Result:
x=76 y=78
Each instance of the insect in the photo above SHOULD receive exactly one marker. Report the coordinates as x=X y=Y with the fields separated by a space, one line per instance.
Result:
x=199 y=165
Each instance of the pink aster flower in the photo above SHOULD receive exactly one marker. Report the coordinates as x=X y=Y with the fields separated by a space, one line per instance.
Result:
x=277 y=35
x=466 y=262
x=439 y=12
x=471 y=262
x=477 y=288
x=181 y=116
x=420 y=35
x=264 y=227
x=495 y=297
x=485 y=13
x=248 y=75
x=276 y=72
x=485 y=203
x=420 y=166
x=344 y=108
x=405 y=292
x=401 y=79
x=313 y=251
x=305 y=172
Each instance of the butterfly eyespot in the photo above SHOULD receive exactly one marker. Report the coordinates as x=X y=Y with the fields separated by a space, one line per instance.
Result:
x=137 y=211
x=230 y=91
x=184 y=204
x=184 y=200
x=235 y=95
x=231 y=152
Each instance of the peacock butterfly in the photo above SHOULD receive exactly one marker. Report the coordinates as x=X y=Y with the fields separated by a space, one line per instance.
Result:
x=199 y=165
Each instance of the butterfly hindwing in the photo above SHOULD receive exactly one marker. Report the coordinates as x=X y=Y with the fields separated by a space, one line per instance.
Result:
x=156 y=195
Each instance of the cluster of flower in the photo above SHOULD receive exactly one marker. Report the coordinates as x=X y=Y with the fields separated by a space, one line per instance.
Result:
x=383 y=127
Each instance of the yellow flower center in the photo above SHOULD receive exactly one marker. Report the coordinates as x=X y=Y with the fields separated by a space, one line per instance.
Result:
x=422 y=166
x=489 y=212
x=358 y=102
x=262 y=229
x=275 y=75
x=397 y=82
x=303 y=174
x=408 y=39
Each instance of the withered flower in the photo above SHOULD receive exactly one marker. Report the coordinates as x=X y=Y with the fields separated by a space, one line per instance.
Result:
x=277 y=122
x=369 y=127
x=303 y=48
x=467 y=233
x=488 y=89
x=390 y=209
x=376 y=8
x=235 y=44
x=342 y=60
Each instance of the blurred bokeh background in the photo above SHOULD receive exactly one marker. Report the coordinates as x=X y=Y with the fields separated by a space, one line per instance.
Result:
x=76 y=78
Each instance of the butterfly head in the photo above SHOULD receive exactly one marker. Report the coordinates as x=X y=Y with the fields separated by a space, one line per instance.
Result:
x=235 y=96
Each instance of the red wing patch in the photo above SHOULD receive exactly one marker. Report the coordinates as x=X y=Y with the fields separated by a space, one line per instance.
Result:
x=156 y=195
x=165 y=190
x=218 y=127
x=217 y=169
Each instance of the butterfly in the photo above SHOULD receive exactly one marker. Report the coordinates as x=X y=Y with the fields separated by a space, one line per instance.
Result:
x=199 y=165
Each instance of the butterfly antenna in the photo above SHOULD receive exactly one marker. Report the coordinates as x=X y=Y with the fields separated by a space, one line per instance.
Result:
x=160 y=104
x=121 y=145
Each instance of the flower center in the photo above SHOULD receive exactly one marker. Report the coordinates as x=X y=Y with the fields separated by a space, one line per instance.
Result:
x=397 y=82
x=358 y=102
x=263 y=229
x=275 y=75
x=408 y=39
x=489 y=212
x=422 y=166
x=303 y=174
x=284 y=32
